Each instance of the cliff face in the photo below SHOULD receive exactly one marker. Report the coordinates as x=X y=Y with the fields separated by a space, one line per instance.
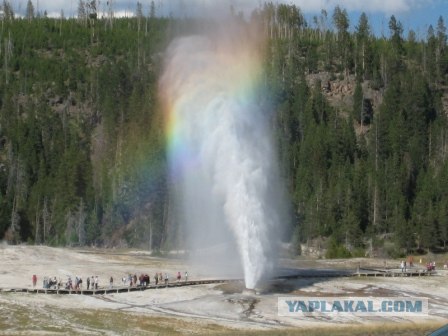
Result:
x=340 y=95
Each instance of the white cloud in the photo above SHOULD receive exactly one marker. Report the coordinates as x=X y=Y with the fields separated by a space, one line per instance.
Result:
x=192 y=6
x=371 y=6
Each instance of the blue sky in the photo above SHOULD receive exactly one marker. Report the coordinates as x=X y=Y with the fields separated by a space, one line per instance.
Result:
x=414 y=14
x=418 y=17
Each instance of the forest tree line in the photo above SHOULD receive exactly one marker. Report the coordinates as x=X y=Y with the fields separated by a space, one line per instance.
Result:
x=82 y=144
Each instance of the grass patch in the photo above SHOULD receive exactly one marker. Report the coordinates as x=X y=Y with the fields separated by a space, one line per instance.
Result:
x=404 y=329
x=20 y=319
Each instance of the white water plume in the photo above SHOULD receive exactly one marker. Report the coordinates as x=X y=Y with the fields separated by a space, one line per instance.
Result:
x=223 y=164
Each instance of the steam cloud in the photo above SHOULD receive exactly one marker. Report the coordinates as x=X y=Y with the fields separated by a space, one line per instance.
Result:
x=221 y=153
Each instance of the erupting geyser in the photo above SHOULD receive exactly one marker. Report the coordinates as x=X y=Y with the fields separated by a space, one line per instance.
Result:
x=220 y=146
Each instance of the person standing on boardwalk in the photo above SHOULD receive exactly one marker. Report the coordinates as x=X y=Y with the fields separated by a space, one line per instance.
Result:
x=111 y=282
x=178 y=276
x=186 y=276
x=411 y=261
x=166 y=278
x=88 y=283
x=156 y=279
x=96 y=282
x=34 y=280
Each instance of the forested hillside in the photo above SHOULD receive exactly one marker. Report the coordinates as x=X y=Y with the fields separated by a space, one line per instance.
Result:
x=360 y=120
x=82 y=144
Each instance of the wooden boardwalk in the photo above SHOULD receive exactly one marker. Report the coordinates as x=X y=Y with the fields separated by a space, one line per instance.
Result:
x=117 y=289
x=415 y=272
x=310 y=273
x=359 y=272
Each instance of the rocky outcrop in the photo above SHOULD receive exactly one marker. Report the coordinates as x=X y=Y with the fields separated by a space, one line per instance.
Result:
x=339 y=90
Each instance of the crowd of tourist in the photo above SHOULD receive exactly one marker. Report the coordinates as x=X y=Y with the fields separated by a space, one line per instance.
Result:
x=92 y=282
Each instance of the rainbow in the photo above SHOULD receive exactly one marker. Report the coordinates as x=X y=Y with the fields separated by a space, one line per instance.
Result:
x=204 y=70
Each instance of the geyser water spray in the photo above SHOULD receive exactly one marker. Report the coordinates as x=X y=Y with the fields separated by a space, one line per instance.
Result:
x=223 y=165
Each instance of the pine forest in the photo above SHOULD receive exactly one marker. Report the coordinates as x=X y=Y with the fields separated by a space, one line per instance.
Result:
x=360 y=124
